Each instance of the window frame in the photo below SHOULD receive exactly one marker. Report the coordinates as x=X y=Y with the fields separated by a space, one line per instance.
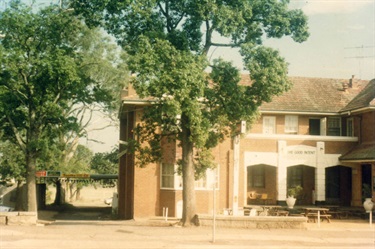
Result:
x=291 y=124
x=295 y=176
x=256 y=174
x=176 y=179
x=334 y=130
x=350 y=128
x=267 y=125
x=205 y=183
x=211 y=176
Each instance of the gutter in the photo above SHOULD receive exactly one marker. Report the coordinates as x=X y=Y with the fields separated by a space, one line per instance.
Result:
x=303 y=113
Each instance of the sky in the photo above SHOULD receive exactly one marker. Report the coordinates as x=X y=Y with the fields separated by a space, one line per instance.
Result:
x=341 y=44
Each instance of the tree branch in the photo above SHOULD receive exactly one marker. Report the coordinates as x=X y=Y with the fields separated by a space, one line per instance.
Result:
x=20 y=141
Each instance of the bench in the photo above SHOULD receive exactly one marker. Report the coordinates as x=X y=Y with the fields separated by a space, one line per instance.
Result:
x=282 y=213
x=336 y=214
x=314 y=216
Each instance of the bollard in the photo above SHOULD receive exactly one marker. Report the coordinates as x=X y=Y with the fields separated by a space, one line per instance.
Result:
x=370 y=217
x=165 y=213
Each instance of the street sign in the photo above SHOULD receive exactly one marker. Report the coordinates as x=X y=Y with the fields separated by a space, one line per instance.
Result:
x=52 y=173
x=41 y=173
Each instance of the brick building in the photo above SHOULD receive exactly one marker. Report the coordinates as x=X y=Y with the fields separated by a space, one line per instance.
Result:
x=319 y=135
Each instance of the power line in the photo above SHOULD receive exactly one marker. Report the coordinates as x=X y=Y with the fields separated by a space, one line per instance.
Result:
x=360 y=47
x=359 y=54
x=359 y=57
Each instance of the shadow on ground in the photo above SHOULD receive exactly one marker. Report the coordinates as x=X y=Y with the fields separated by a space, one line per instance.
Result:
x=72 y=212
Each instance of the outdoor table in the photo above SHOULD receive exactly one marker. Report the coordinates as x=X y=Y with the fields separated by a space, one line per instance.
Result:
x=334 y=211
x=265 y=209
x=319 y=212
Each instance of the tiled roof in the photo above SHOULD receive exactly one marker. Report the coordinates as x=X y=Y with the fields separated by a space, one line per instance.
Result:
x=363 y=152
x=366 y=98
x=315 y=95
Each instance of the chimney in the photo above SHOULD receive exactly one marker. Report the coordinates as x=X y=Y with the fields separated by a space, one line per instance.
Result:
x=351 y=82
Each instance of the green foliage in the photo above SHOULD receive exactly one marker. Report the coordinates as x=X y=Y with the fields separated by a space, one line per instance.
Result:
x=168 y=42
x=53 y=68
x=295 y=191
x=366 y=191
x=105 y=163
x=12 y=162
x=180 y=22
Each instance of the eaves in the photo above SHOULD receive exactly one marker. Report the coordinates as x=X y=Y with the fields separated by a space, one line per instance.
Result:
x=358 y=110
x=301 y=113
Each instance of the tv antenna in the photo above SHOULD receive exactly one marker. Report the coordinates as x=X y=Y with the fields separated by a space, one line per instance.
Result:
x=360 y=55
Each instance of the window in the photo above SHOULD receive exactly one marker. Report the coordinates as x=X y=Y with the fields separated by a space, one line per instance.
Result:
x=171 y=180
x=317 y=126
x=334 y=126
x=206 y=182
x=294 y=176
x=167 y=176
x=314 y=126
x=291 y=124
x=256 y=176
x=202 y=182
x=349 y=127
x=269 y=125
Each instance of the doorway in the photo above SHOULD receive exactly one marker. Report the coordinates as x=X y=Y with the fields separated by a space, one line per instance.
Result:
x=366 y=181
x=338 y=185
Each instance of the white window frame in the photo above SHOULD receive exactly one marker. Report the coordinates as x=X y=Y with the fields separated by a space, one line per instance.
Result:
x=291 y=124
x=176 y=181
x=211 y=177
x=269 y=125
x=205 y=183
x=350 y=127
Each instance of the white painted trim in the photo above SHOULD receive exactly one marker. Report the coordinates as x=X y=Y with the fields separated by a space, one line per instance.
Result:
x=301 y=113
x=301 y=137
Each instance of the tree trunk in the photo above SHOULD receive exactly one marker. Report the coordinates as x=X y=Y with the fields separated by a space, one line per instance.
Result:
x=188 y=178
x=78 y=193
x=58 y=193
x=30 y=182
x=21 y=204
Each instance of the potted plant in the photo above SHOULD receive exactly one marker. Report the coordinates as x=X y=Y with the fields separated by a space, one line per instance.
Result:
x=367 y=196
x=292 y=194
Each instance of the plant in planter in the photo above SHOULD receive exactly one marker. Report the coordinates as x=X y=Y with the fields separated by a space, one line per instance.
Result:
x=292 y=194
x=367 y=197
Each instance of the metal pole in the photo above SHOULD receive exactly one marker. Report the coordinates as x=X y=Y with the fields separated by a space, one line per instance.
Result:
x=166 y=214
x=318 y=218
x=370 y=213
x=214 y=214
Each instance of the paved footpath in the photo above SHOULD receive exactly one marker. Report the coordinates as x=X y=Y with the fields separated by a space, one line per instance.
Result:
x=145 y=234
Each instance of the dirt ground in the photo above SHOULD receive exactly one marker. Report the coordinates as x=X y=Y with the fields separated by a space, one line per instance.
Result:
x=87 y=227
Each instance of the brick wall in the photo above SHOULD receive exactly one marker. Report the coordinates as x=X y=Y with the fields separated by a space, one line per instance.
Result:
x=368 y=130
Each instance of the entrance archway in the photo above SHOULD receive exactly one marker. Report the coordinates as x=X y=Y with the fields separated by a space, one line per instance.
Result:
x=303 y=176
x=261 y=184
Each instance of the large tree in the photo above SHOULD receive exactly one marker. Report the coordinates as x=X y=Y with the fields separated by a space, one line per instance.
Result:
x=48 y=73
x=169 y=41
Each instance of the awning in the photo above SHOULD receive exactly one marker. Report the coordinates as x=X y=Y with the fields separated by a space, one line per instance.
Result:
x=361 y=153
